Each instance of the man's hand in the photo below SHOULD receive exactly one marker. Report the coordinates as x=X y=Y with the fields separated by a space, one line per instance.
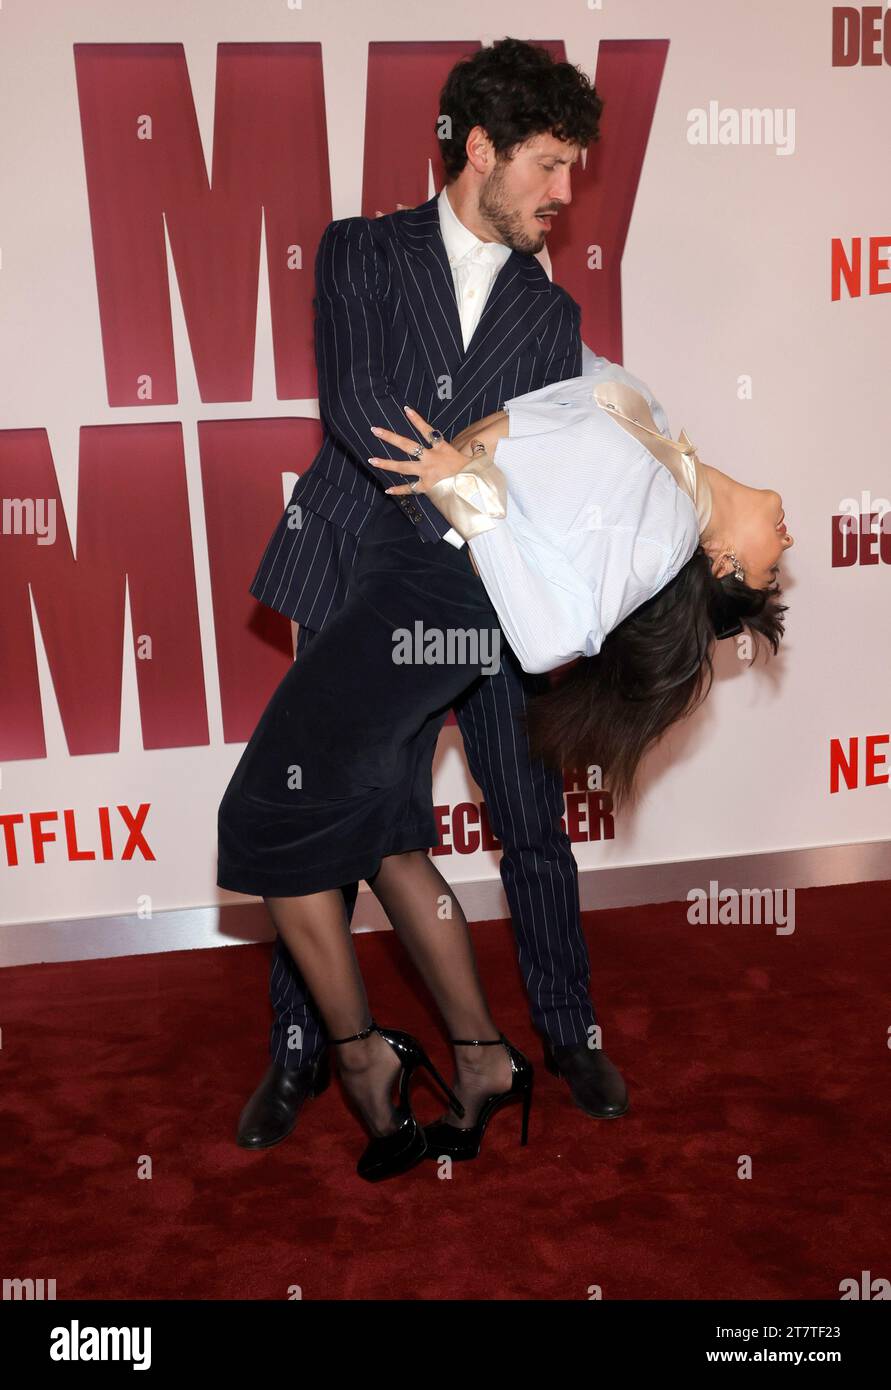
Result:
x=439 y=461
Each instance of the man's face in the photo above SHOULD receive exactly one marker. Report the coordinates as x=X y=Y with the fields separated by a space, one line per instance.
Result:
x=520 y=192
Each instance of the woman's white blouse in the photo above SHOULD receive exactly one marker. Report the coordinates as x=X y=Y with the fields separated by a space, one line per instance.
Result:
x=595 y=525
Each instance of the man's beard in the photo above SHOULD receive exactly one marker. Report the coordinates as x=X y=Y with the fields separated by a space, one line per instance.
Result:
x=507 y=223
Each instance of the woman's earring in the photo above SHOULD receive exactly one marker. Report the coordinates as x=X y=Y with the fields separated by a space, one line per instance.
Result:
x=738 y=572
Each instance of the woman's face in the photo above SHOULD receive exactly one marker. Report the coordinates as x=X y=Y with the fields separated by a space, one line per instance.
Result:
x=760 y=537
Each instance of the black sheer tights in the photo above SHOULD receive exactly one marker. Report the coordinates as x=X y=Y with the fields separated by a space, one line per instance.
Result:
x=431 y=925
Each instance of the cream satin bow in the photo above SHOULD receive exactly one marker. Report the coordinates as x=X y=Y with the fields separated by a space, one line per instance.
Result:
x=475 y=499
x=631 y=410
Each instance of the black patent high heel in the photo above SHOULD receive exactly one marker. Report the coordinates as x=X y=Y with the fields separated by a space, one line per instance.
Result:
x=390 y=1154
x=457 y=1143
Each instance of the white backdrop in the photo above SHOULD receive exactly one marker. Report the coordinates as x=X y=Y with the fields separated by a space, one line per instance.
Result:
x=726 y=277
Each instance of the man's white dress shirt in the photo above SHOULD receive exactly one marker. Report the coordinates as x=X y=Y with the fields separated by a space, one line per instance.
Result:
x=474 y=264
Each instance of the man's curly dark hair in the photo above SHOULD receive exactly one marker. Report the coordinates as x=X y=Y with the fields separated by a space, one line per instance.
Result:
x=515 y=90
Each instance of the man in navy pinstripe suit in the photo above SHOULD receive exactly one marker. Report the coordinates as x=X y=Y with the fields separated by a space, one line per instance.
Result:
x=445 y=307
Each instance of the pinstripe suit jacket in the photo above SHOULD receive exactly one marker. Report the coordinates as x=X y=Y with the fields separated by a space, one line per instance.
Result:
x=388 y=334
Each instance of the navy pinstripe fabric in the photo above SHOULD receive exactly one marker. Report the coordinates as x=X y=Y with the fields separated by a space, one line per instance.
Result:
x=388 y=333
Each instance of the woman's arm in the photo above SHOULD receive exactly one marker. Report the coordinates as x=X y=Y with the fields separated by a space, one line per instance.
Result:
x=487 y=431
x=545 y=606
x=546 y=609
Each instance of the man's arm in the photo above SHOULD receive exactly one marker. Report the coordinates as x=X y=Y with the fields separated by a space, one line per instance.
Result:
x=563 y=345
x=351 y=331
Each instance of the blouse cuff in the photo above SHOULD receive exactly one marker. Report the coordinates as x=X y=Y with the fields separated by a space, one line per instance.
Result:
x=475 y=499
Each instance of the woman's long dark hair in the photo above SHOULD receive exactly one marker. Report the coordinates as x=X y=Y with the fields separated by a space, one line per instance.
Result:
x=652 y=670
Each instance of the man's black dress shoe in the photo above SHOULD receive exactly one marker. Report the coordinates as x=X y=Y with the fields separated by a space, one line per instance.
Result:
x=596 y=1084
x=272 y=1111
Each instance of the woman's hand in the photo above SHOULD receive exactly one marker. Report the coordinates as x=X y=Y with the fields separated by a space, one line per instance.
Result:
x=439 y=461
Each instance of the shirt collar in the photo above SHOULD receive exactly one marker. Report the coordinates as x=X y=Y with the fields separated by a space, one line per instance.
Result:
x=461 y=243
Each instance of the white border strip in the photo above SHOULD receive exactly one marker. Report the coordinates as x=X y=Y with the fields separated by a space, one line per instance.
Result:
x=91 y=938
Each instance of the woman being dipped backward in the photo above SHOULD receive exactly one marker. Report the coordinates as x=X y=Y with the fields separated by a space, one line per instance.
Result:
x=597 y=541
x=604 y=543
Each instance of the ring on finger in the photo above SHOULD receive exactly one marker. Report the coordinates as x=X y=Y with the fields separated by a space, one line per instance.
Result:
x=413 y=487
x=436 y=437
x=416 y=453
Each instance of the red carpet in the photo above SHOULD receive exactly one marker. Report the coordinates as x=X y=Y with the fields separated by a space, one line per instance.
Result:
x=733 y=1040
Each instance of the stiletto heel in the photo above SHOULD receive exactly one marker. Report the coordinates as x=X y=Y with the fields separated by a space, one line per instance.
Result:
x=454 y=1102
x=464 y=1143
x=527 y=1103
x=390 y=1154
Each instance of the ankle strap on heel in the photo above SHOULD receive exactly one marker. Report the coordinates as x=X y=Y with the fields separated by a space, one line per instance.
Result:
x=477 y=1042
x=355 y=1037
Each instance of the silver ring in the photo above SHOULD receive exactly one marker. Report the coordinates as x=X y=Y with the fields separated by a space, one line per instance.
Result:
x=416 y=454
x=413 y=487
x=436 y=437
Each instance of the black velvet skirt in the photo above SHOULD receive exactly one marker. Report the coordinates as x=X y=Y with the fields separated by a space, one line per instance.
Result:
x=338 y=772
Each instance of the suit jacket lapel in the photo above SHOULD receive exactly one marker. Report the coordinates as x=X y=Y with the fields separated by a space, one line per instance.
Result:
x=517 y=302
x=429 y=290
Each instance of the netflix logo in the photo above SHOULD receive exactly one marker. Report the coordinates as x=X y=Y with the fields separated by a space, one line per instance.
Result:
x=861 y=765
x=42 y=837
x=854 y=266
